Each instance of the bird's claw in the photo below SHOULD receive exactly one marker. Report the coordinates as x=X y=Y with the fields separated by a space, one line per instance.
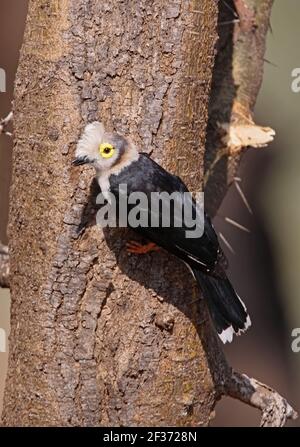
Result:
x=140 y=249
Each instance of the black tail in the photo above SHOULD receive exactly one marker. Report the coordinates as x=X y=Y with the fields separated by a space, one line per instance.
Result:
x=227 y=310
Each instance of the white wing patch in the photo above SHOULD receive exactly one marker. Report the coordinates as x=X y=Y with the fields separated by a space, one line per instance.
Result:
x=227 y=334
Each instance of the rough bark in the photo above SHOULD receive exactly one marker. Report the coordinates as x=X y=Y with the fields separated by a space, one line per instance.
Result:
x=97 y=336
x=89 y=339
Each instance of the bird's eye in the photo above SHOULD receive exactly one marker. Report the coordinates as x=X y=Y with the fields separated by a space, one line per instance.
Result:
x=106 y=150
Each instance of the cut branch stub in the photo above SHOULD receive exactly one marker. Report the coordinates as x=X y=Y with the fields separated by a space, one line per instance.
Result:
x=239 y=136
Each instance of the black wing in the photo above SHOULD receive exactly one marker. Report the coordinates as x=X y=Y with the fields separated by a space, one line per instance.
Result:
x=147 y=176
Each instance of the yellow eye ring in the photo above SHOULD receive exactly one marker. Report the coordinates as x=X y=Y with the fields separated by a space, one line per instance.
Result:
x=106 y=150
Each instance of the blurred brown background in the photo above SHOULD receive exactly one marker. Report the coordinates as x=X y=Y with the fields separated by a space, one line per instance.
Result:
x=265 y=266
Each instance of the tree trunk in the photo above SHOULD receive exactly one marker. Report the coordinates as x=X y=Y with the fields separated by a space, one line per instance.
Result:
x=99 y=337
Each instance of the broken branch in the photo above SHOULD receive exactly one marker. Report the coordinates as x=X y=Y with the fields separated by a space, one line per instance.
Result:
x=275 y=409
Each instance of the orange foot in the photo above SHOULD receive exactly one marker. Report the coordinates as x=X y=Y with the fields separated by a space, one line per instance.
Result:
x=140 y=249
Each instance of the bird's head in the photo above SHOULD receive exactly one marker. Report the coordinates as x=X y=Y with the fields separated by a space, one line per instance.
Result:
x=105 y=151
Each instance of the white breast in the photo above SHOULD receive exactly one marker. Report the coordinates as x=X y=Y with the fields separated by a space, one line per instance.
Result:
x=104 y=184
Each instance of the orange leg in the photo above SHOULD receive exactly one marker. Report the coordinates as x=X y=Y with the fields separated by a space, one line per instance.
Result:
x=140 y=249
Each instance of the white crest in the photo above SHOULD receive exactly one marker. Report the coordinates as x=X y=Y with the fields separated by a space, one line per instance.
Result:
x=90 y=139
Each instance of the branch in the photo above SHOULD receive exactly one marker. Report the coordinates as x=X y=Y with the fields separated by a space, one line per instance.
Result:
x=231 y=130
x=236 y=83
x=4 y=266
x=4 y=123
x=275 y=409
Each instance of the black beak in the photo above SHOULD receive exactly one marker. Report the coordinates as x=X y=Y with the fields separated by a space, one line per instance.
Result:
x=80 y=161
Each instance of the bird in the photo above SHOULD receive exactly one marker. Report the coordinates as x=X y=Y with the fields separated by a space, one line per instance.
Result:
x=117 y=161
